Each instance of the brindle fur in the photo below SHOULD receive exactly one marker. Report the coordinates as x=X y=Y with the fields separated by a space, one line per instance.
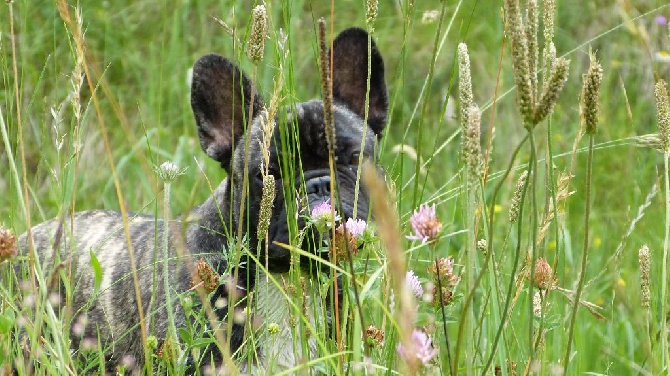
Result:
x=220 y=98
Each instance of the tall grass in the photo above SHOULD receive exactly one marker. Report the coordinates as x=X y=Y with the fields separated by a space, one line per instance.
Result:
x=584 y=209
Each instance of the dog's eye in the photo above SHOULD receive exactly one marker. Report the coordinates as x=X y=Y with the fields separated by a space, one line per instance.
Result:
x=355 y=158
x=274 y=171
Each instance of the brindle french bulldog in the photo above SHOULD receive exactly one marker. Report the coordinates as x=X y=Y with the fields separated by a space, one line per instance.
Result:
x=221 y=97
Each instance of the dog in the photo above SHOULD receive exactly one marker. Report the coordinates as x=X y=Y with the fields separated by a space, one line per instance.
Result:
x=222 y=97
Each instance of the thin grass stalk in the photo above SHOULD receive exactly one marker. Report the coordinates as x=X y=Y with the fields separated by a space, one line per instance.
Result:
x=388 y=229
x=444 y=318
x=371 y=16
x=12 y=162
x=80 y=45
x=470 y=207
x=424 y=104
x=580 y=285
x=665 y=358
x=532 y=174
x=326 y=66
x=241 y=209
x=517 y=256
x=172 y=330
x=470 y=295
x=25 y=199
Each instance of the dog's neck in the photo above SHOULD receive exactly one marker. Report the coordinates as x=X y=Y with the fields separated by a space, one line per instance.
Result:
x=212 y=223
x=287 y=322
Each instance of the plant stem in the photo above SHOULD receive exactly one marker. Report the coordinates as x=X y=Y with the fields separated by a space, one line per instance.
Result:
x=171 y=330
x=471 y=293
x=517 y=254
x=580 y=285
x=665 y=358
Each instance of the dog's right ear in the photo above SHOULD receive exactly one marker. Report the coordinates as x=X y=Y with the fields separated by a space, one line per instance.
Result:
x=220 y=98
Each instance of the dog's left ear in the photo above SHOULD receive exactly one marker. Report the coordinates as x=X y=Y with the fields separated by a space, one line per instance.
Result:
x=220 y=99
x=350 y=73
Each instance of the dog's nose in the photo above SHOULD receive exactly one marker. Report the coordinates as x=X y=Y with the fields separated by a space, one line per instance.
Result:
x=319 y=186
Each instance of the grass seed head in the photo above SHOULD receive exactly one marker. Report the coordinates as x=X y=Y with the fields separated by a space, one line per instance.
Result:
x=258 y=34
x=371 y=13
x=663 y=114
x=472 y=147
x=553 y=88
x=520 y=64
x=644 y=256
x=266 y=205
x=590 y=92
x=516 y=199
x=464 y=85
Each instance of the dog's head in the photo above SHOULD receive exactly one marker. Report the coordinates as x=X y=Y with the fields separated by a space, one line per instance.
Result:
x=222 y=96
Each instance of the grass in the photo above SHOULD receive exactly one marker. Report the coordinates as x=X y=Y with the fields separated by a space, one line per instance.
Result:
x=139 y=53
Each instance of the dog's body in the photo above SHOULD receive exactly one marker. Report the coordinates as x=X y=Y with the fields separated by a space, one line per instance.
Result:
x=221 y=98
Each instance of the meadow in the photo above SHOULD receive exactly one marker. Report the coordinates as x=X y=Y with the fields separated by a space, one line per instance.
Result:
x=95 y=95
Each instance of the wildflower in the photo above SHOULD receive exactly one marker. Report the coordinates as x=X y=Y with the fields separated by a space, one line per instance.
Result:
x=443 y=271
x=258 y=34
x=661 y=20
x=442 y=296
x=344 y=243
x=356 y=227
x=412 y=282
x=662 y=56
x=422 y=348
x=644 y=257
x=425 y=225
x=374 y=337
x=168 y=171
x=543 y=276
x=430 y=16
x=322 y=216
x=7 y=244
x=205 y=277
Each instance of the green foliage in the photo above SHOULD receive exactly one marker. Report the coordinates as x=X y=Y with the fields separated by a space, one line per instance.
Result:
x=140 y=53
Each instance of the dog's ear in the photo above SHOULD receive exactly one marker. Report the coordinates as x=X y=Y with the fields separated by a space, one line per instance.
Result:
x=350 y=73
x=220 y=98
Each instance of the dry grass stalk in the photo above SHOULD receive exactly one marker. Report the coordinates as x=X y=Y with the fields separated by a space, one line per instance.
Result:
x=388 y=229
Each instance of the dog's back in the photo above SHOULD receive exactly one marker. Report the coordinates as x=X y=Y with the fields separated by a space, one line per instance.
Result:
x=91 y=254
